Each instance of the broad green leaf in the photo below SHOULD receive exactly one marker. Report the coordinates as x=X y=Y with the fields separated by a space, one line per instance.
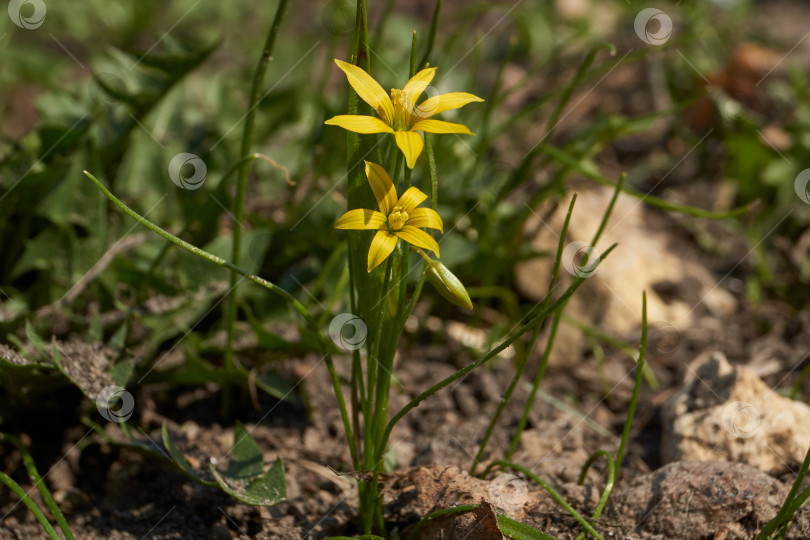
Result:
x=244 y=480
x=245 y=457
x=180 y=460
x=267 y=490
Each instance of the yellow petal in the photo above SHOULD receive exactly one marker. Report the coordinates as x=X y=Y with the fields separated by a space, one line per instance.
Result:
x=382 y=186
x=359 y=123
x=418 y=237
x=411 y=199
x=361 y=219
x=381 y=247
x=369 y=90
x=440 y=126
x=425 y=218
x=415 y=86
x=444 y=102
x=411 y=145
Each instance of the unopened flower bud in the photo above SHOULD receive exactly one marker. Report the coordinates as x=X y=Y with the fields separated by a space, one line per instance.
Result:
x=448 y=285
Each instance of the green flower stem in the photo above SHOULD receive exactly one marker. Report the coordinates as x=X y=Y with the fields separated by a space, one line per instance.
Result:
x=241 y=184
x=551 y=491
x=256 y=279
x=432 y=173
x=384 y=377
x=434 y=26
x=413 y=55
x=536 y=317
x=433 y=200
x=18 y=491
x=34 y=476
x=374 y=378
x=369 y=497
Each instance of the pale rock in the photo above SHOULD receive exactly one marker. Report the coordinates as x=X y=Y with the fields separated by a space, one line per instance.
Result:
x=610 y=299
x=727 y=413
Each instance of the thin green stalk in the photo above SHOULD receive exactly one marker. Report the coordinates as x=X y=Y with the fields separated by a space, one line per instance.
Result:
x=541 y=371
x=382 y=23
x=590 y=172
x=631 y=408
x=794 y=392
x=37 y=480
x=594 y=333
x=505 y=399
x=434 y=26
x=165 y=250
x=525 y=166
x=434 y=182
x=15 y=487
x=460 y=509
x=615 y=463
x=536 y=317
x=413 y=55
x=609 y=212
x=369 y=507
x=789 y=507
x=376 y=384
x=483 y=132
x=551 y=491
x=358 y=393
x=555 y=272
x=609 y=483
x=241 y=185
x=291 y=300
x=433 y=174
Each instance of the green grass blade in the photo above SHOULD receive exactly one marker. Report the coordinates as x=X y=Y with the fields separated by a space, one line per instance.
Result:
x=33 y=474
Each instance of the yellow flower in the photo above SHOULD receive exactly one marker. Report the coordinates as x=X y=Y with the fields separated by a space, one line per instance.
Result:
x=397 y=218
x=399 y=113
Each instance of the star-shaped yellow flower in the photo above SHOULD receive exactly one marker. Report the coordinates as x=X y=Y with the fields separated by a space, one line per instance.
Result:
x=399 y=113
x=397 y=218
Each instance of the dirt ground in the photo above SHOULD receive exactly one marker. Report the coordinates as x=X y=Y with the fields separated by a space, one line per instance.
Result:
x=117 y=493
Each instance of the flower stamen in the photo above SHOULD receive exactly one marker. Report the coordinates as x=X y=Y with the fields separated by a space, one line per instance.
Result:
x=397 y=219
